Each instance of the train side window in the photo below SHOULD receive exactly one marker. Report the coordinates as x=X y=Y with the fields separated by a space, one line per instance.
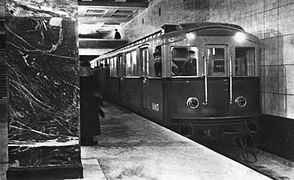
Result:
x=157 y=62
x=131 y=64
x=245 y=61
x=216 y=61
x=106 y=65
x=123 y=65
x=179 y=55
x=144 y=56
x=113 y=67
x=96 y=64
x=128 y=65
x=119 y=65
x=93 y=64
x=184 y=61
x=135 y=67
x=102 y=62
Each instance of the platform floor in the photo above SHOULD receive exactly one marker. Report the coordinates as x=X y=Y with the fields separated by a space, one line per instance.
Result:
x=134 y=148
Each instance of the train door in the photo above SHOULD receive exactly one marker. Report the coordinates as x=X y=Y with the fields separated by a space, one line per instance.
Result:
x=144 y=56
x=245 y=85
x=216 y=80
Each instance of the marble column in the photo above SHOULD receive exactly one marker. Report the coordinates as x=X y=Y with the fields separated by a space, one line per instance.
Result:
x=42 y=59
x=3 y=97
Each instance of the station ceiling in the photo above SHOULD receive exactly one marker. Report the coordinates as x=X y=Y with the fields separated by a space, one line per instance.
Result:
x=99 y=18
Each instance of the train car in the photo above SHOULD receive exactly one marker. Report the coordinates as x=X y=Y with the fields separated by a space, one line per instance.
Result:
x=200 y=79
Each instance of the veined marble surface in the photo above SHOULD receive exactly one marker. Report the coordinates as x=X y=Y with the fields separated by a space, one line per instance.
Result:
x=43 y=78
x=42 y=8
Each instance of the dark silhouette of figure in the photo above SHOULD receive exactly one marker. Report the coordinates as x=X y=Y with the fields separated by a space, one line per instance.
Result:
x=157 y=64
x=94 y=110
x=90 y=106
x=189 y=66
x=117 y=35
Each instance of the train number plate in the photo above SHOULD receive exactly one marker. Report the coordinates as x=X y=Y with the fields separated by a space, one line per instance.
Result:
x=155 y=107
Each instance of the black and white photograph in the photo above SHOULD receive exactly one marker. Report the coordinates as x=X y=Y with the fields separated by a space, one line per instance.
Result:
x=146 y=90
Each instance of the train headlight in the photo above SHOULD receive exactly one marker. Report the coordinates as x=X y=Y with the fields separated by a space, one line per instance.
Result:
x=192 y=102
x=241 y=101
x=190 y=36
x=240 y=37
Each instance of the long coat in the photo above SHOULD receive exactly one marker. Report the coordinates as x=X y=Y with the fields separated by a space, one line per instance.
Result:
x=90 y=107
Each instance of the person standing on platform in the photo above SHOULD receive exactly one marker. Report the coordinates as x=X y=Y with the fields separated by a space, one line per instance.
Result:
x=90 y=105
x=117 y=35
x=95 y=110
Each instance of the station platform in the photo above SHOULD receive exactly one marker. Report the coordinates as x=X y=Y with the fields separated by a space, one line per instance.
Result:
x=133 y=148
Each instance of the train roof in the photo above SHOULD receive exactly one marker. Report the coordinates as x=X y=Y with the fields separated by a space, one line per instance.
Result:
x=203 y=28
x=186 y=27
x=203 y=25
x=171 y=29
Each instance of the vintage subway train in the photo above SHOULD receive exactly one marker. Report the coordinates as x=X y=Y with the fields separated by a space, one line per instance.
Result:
x=206 y=85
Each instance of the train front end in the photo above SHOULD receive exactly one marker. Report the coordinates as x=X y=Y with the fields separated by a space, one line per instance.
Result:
x=220 y=95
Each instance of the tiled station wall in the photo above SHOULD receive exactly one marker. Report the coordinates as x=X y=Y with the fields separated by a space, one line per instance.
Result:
x=162 y=12
x=270 y=20
x=3 y=101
